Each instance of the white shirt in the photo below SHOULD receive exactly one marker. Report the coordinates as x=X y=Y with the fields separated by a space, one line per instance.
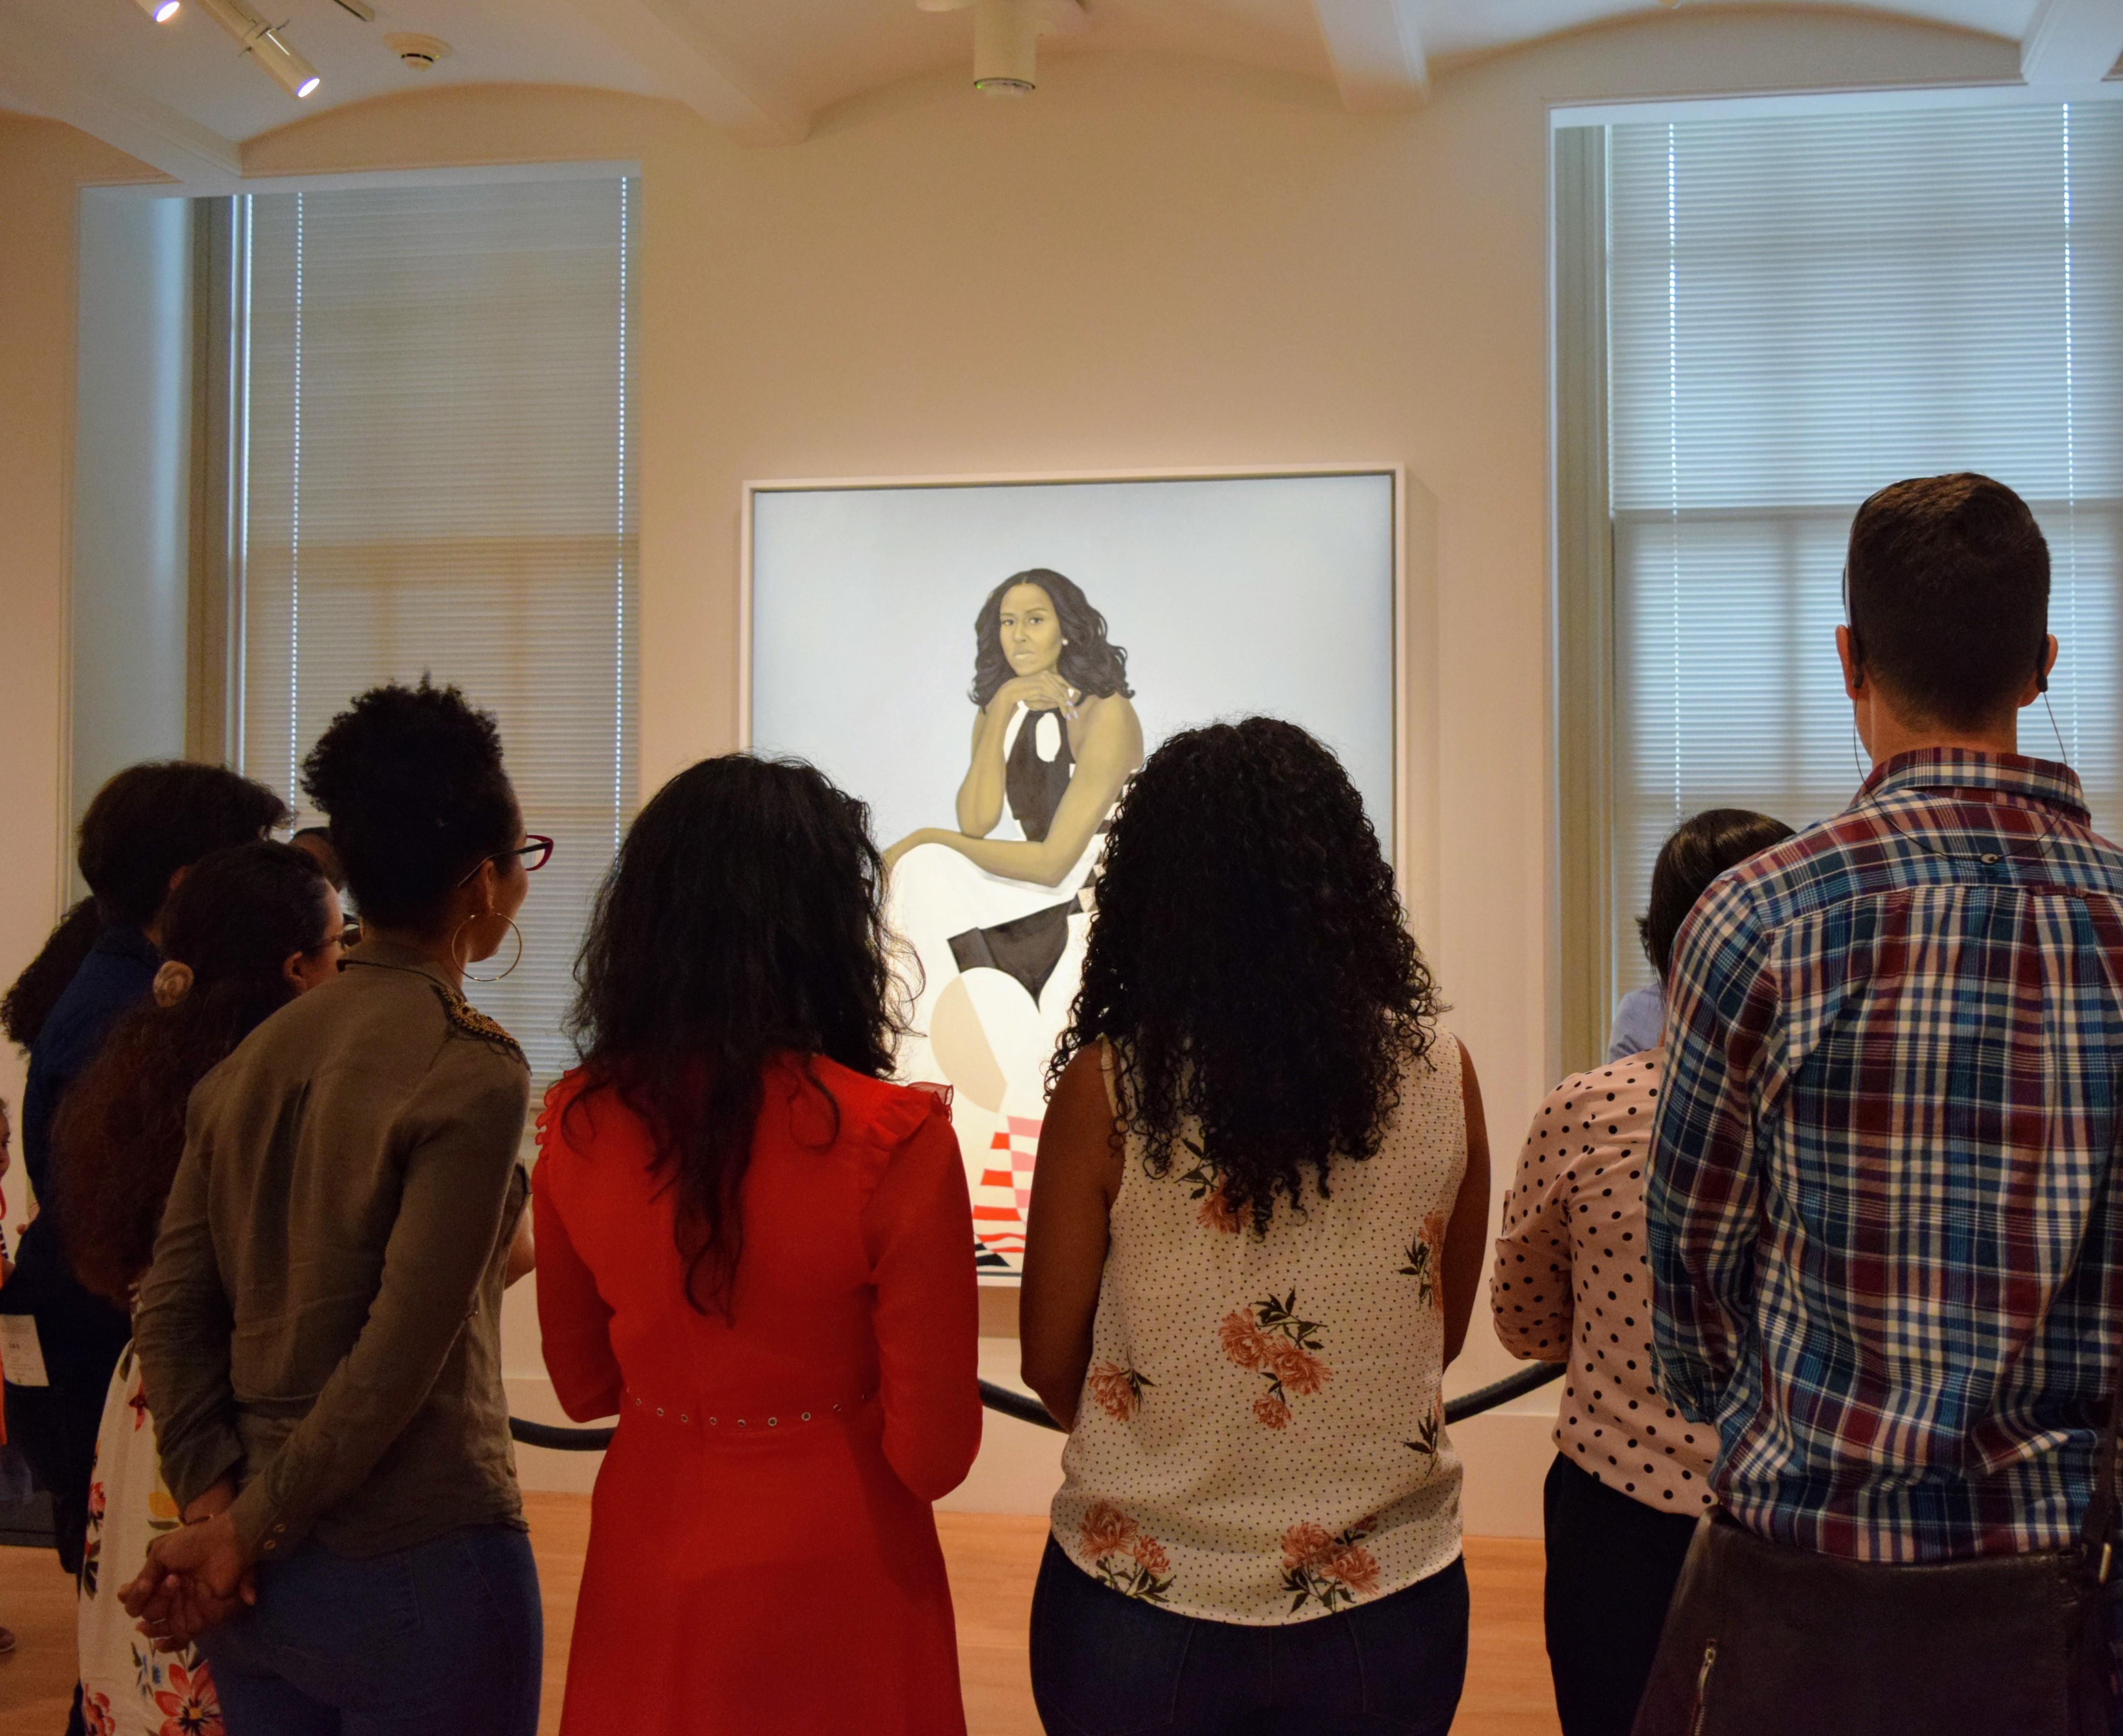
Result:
x=1261 y=1436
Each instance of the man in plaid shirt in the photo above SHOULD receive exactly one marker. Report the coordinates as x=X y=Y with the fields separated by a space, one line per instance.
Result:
x=1887 y=1255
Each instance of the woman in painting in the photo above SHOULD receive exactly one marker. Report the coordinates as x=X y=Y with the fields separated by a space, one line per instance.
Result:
x=994 y=910
x=1054 y=736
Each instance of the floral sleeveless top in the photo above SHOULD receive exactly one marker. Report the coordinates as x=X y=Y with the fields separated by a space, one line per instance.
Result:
x=1261 y=1436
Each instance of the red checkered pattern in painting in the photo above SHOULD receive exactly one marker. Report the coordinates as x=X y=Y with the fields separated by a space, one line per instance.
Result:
x=1886 y=1249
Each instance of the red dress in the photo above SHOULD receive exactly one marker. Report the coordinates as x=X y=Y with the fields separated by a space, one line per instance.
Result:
x=763 y=1557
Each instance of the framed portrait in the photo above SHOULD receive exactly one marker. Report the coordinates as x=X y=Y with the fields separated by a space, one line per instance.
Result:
x=987 y=661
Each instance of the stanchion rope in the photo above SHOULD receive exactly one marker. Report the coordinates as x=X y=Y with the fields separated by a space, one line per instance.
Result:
x=1026 y=1409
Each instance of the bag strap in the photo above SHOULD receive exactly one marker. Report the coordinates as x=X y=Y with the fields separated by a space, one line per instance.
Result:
x=2096 y=1538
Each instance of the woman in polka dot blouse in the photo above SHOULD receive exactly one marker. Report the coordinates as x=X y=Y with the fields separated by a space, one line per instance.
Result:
x=1571 y=1285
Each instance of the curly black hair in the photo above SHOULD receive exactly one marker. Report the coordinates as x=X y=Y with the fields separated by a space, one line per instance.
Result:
x=742 y=919
x=1250 y=964
x=151 y=820
x=412 y=781
x=234 y=920
x=33 y=995
x=1090 y=663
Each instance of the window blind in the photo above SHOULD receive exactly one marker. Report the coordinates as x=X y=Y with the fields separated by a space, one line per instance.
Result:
x=437 y=472
x=1801 y=311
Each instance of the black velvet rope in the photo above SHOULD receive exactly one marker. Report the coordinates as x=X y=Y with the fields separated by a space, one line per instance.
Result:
x=1024 y=1409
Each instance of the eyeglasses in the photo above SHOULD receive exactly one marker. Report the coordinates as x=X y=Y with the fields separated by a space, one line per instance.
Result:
x=535 y=850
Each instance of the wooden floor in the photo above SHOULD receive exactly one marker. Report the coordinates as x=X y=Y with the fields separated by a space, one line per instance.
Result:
x=992 y=1558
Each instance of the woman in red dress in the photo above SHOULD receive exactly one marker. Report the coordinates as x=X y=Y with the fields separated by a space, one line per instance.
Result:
x=757 y=1253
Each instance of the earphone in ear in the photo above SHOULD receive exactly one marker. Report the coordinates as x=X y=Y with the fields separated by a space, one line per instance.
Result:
x=1850 y=633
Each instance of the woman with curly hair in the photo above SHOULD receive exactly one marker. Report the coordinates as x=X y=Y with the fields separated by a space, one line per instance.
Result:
x=31 y=996
x=1256 y=1232
x=753 y=1249
x=245 y=932
x=319 y=1331
x=995 y=922
x=1054 y=735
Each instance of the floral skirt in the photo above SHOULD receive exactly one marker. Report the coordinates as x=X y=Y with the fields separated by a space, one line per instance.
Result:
x=128 y=1688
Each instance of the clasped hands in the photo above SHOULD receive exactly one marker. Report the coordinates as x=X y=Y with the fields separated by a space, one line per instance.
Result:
x=195 y=1577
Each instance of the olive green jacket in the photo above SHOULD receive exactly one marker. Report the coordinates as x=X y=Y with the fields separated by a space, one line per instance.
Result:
x=323 y=1314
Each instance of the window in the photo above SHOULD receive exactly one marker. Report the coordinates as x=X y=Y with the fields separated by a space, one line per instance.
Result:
x=432 y=467
x=1799 y=310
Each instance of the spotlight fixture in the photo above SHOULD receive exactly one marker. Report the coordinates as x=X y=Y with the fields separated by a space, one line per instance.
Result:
x=161 y=10
x=1005 y=47
x=1006 y=36
x=266 y=44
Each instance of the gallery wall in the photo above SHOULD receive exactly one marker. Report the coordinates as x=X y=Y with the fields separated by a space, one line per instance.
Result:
x=43 y=165
x=1150 y=263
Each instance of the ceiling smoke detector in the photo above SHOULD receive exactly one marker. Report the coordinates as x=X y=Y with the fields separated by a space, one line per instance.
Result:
x=419 y=53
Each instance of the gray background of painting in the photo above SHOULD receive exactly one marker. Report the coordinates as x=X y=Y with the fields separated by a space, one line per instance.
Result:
x=1258 y=594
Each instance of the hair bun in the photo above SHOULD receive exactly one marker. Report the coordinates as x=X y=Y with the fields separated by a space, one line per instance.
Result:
x=173 y=982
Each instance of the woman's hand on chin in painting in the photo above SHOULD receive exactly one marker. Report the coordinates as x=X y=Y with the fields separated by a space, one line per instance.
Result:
x=915 y=840
x=1044 y=692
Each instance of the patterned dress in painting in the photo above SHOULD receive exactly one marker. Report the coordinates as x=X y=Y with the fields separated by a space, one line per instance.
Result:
x=1261 y=1438
x=128 y=1688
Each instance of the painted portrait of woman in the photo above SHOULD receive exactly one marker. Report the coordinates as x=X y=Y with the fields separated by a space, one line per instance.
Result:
x=1105 y=613
x=994 y=908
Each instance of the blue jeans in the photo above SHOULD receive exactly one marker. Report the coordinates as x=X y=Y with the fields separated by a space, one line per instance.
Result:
x=445 y=1639
x=1105 y=1664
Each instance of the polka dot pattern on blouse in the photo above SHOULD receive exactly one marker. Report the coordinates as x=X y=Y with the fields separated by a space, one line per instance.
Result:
x=1572 y=1282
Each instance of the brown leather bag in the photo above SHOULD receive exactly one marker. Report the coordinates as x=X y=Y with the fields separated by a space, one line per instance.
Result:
x=1764 y=1640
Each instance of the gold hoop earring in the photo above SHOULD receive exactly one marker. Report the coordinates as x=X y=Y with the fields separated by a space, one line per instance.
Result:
x=464 y=965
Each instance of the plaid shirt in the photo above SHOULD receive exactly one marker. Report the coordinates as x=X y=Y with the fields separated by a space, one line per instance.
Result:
x=1887 y=1259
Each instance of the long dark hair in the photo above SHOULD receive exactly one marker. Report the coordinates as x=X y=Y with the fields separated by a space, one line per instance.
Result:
x=1089 y=663
x=742 y=919
x=1702 y=847
x=1248 y=961
x=233 y=921
x=30 y=1001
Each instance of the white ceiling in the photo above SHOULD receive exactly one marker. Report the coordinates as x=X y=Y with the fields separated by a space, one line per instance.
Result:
x=179 y=95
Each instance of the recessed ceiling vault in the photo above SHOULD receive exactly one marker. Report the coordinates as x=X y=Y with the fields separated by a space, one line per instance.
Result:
x=180 y=96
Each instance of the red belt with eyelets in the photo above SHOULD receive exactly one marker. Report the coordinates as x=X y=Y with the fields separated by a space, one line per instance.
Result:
x=725 y=1421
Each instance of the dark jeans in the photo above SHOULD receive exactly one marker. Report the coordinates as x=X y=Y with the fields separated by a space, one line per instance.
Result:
x=445 y=1639
x=1105 y=1664
x=1612 y=1565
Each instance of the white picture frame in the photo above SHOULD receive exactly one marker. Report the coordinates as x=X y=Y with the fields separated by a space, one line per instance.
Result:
x=838 y=570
